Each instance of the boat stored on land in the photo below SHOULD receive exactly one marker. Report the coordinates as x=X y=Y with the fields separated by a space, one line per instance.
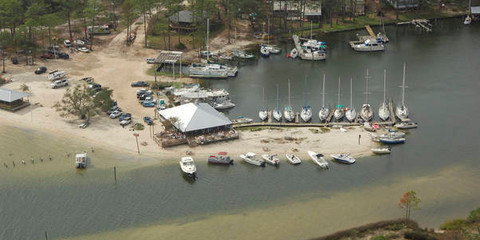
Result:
x=252 y=158
x=379 y=151
x=343 y=158
x=293 y=159
x=188 y=165
x=271 y=159
x=221 y=158
x=81 y=160
x=242 y=54
x=318 y=159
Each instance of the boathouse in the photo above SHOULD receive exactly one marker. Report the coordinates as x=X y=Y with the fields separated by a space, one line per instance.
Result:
x=184 y=21
x=12 y=100
x=196 y=118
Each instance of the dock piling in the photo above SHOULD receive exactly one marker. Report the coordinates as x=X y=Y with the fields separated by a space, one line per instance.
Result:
x=115 y=174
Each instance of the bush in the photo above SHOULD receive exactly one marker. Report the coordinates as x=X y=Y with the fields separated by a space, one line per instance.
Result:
x=474 y=216
x=455 y=224
x=138 y=126
x=417 y=235
x=381 y=237
x=180 y=46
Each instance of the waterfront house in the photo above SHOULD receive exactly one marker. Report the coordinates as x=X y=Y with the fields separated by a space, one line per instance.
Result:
x=12 y=100
x=403 y=4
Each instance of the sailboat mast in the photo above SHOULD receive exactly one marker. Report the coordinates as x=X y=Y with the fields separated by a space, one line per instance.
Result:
x=277 y=99
x=208 y=32
x=263 y=97
x=289 y=104
x=351 y=93
x=403 y=86
x=338 y=100
x=384 y=84
x=366 y=88
x=268 y=29
x=323 y=92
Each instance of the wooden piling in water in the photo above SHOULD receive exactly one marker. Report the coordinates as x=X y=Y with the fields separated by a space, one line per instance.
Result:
x=115 y=174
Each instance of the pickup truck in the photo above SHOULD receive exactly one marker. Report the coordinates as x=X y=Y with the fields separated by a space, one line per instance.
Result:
x=59 y=83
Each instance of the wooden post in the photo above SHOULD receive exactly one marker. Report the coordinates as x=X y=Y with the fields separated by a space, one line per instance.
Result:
x=115 y=174
x=46 y=236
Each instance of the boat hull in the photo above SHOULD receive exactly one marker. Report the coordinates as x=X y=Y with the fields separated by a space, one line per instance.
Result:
x=293 y=159
x=392 y=141
x=351 y=114
x=263 y=115
x=323 y=114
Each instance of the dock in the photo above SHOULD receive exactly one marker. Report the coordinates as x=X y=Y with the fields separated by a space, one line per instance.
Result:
x=419 y=23
x=370 y=31
x=310 y=124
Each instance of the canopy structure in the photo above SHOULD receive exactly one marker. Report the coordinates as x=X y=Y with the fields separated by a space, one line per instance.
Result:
x=475 y=10
x=12 y=100
x=195 y=117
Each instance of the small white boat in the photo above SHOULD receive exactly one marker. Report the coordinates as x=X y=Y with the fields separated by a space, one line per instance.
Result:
x=273 y=49
x=81 y=160
x=406 y=125
x=241 y=120
x=223 y=105
x=306 y=113
x=468 y=20
x=242 y=54
x=393 y=134
x=369 y=127
x=56 y=75
x=293 y=159
x=263 y=114
x=350 y=113
x=379 y=151
x=318 y=159
x=188 y=165
x=252 y=159
x=277 y=115
x=271 y=159
x=402 y=110
x=343 y=158
x=264 y=51
x=226 y=57
x=369 y=45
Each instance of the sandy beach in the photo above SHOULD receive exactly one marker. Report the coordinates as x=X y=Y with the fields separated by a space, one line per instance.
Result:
x=113 y=69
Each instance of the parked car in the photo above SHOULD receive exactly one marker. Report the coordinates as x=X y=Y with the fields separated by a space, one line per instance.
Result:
x=139 y=84
x=63 y=55
x=59 y=83
x=113 y=109
x=115 y=114
x=41 y=70
x=47 y=56
x=84 y=49
x=67 y=43
x=79 y=42
x=148 y=120
x=14 y=60
x=151 y=60
x=94 y=86
x=87 y=79
x=83 y=125
x=148 y=104
x=125 y=116
x=125 y=122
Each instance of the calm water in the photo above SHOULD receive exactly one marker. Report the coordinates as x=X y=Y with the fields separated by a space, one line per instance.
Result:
x=443 y=94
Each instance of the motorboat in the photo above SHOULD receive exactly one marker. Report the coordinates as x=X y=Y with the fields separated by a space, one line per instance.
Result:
x=402 y=110
x=271 y=159
x=467 y=20
x=252 y=159
x=393 y=134
x=273 y=49
x=264 y=51
x=293 y=159
x=221 y=158
x=391 y=140
x=339 y=112
x=188 y=165
x=369 y=45
x=263 y=113
x=277 y=115
x=242 y=54
x=318 y=159
x=406 y=125
x=226 y=57
x=306 y=113
x=200 y=70
x=350 y=113
x=241 y=120
x=223 y=105
x=343 y=158
x=56 y=75
x=288 y=112
x=311 y=49
x=81 y=160
x=384 y=150
x=323 y=113
x=366 y=113
x=383 y=110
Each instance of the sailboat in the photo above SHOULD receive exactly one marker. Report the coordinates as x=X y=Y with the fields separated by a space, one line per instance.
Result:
x=264 y=51
x=366 y=113
x=306 y=113
x=468 y=19
x=276 y=113
x=339 y=113
x=288 y=112
x=402 y=110
x=263 y=114
x=383 y=111
x=209 y=70
x=271 y=48
x=351 y=114
x=323 y=114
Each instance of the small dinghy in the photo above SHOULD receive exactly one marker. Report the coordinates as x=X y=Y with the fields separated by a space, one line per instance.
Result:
x=271 y=159
x=293 y=159
x=318 y=159
x=252 y=159
x=379 y=151
x=406 y=125
x=343 y=158
x=221 y=158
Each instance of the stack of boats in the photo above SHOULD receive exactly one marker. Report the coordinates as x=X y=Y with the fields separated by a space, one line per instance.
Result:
x=217 y=98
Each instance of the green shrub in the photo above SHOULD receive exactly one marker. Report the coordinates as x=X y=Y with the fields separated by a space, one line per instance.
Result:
x=417 y=235
x=381 y=237
x=474 y=216
x=138 y=126
x=180 y=46
x=455 y=224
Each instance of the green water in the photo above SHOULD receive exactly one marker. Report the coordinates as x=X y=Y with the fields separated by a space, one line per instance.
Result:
x=153 y=200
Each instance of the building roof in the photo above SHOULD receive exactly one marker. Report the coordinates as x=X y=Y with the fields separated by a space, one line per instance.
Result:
x=475 y=10
x=8 y=95
x=195 y=116
x=184 y=16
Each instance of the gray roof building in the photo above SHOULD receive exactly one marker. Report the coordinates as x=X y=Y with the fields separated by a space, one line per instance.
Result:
x=195 y=117
x=184 y=16
x=12 y=100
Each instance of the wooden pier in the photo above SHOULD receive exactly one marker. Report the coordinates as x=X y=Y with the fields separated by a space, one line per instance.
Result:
x=370 y=31
x=419 y=23
x=392 y=111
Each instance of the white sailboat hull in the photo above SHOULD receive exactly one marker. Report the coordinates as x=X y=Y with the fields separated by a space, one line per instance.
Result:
x=263 y=115
x=306 y=114
x=366 y=114
x=351 y=114
x=383 y=112
x=323 y=114
x=277 y=115
x=338 y=114
x=402 y=112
